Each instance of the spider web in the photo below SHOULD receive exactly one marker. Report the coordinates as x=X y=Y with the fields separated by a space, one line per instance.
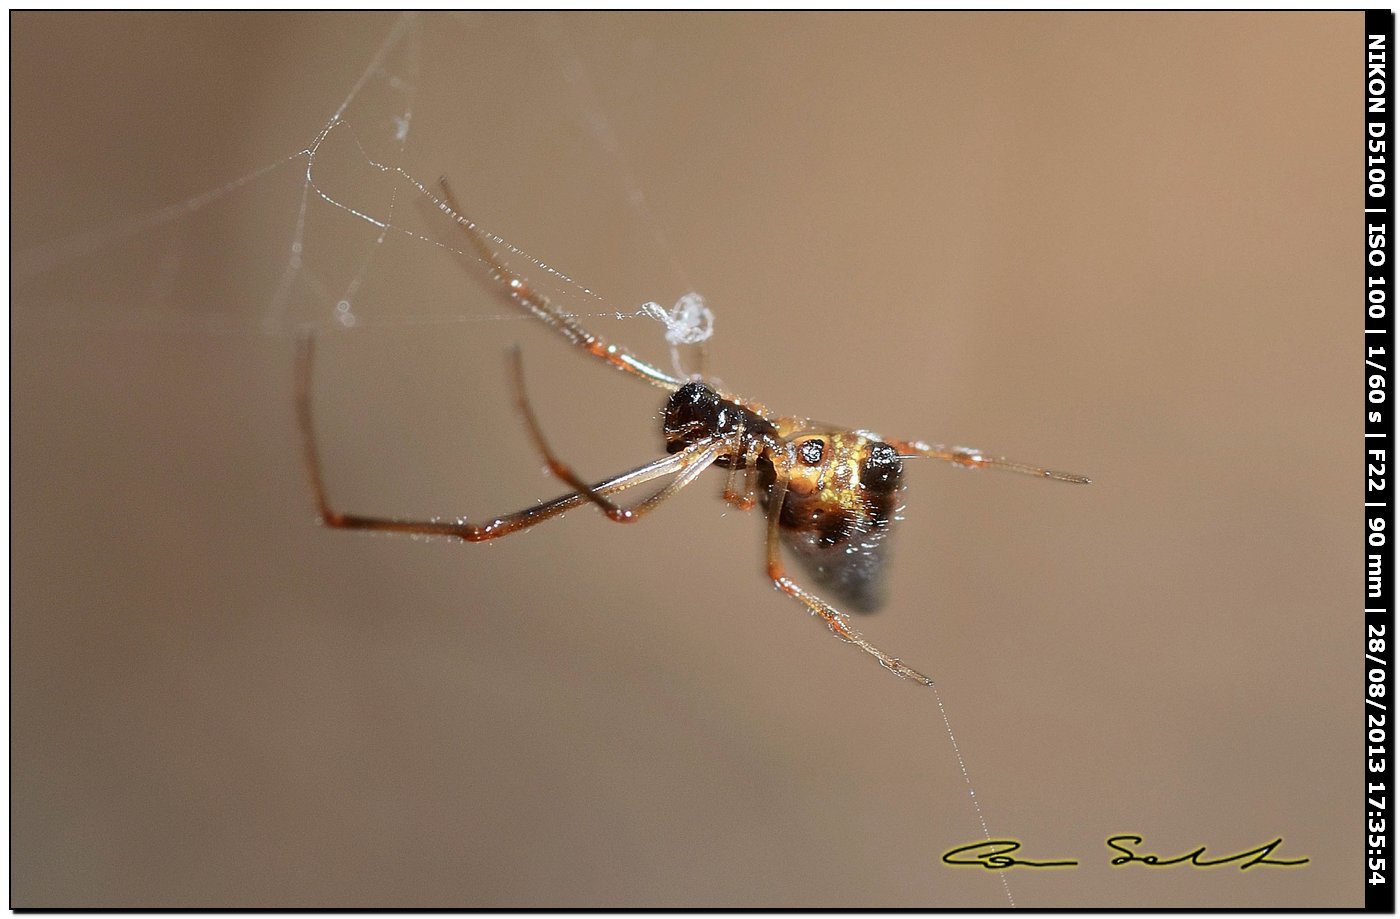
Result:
x=343 y=228
x=361 y=222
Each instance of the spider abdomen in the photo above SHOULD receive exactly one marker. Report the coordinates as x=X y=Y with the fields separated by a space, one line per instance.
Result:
x=695 y=412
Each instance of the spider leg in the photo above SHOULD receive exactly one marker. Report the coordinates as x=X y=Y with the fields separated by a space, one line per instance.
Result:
x=689 y=462
x=749 y=497
x=538 y=305
x=742 y=454
x=975 y=459
x=746 y=498
x=461 y=529
x=837 y=621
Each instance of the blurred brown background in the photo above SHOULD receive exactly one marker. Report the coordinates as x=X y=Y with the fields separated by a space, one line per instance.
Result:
x=1124 y=245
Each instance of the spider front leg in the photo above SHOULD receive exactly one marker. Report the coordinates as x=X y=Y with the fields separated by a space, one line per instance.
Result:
x=837 y=621
x=973 y=458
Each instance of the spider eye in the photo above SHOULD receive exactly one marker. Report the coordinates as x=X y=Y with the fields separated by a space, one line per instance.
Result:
x=810 y=452
x=881 y=469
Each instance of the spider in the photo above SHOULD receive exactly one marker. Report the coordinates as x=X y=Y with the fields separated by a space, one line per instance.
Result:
x=830 y=494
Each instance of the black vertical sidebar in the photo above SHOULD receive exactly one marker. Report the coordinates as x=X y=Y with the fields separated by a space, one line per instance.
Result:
x=1380 y=640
